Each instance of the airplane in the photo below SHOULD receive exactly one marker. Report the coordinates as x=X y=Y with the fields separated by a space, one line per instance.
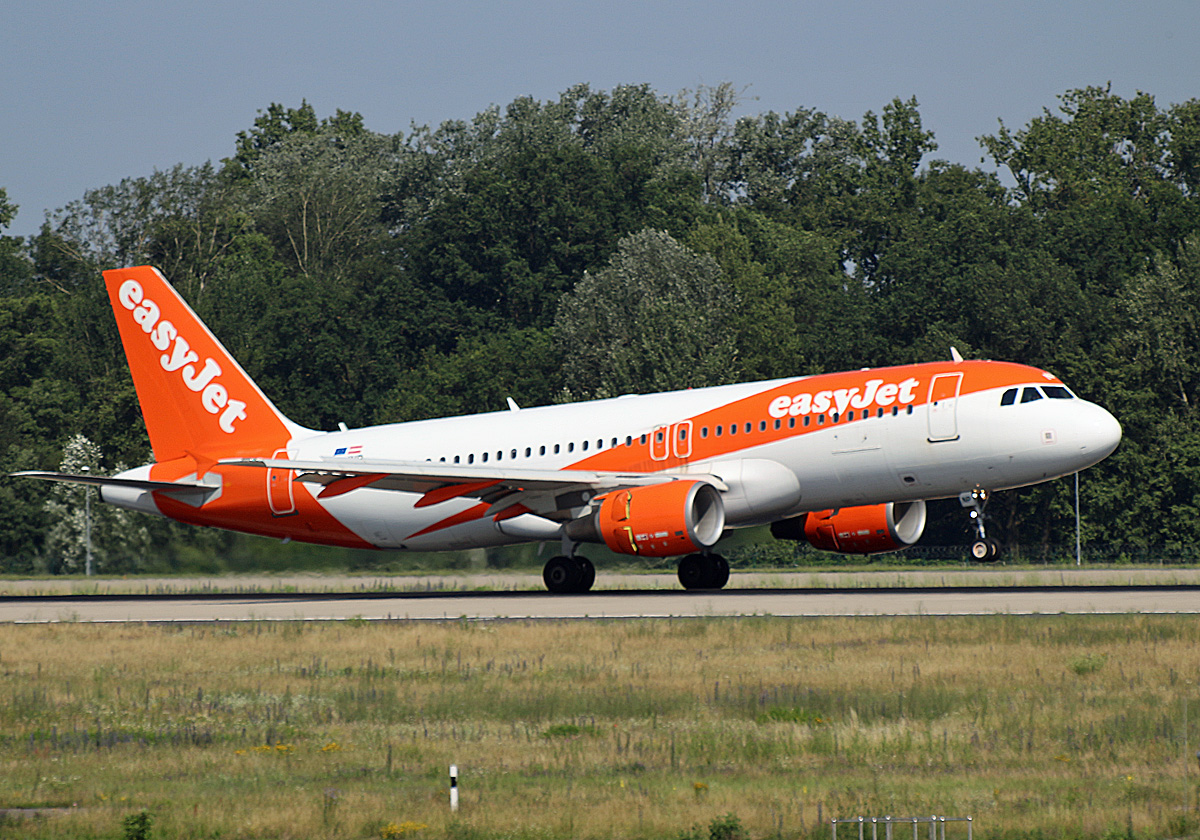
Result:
x=845 y=461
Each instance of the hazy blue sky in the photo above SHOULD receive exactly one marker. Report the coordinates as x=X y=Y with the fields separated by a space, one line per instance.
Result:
x=92 y=92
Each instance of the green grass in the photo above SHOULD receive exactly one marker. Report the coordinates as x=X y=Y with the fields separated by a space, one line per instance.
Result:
x=754 y=728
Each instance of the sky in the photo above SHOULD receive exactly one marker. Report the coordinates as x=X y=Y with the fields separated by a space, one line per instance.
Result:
x=91 y=93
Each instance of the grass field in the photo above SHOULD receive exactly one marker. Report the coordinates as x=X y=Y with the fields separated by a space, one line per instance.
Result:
x=1034 y=726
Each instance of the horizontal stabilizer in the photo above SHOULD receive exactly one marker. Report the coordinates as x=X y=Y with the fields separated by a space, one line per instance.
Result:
x=182 y=490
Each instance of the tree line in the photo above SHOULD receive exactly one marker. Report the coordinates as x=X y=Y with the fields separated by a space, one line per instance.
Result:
x=608 y=242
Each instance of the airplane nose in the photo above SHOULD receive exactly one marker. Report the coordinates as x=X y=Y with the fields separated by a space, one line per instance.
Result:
x=1099 y=432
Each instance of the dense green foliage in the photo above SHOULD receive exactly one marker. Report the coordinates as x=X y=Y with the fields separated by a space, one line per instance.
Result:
x=365 y=278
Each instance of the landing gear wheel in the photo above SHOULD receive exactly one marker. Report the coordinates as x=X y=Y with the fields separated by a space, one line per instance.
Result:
x=587 y=574
x=986 y=550
x=703 y=571
x=720 y=571
x=563 y=575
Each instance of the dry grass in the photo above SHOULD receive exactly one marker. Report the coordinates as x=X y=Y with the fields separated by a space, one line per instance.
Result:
x=1067 y=726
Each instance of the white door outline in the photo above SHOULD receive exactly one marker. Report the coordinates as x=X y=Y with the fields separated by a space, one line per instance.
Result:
x=681 y=434
x=943 y=406
x=281 y=496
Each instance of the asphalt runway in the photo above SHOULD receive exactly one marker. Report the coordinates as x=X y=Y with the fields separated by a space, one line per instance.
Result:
x=607 y=604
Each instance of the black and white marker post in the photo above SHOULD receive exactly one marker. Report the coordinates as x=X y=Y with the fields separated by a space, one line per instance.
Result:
x=453 y=787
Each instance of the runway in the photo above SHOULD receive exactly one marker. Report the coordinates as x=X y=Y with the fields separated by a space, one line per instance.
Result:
x=618 y=604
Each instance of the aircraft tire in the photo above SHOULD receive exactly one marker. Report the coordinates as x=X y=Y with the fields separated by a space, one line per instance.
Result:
x=587 y=574
x=703 y=571
x=986 y=550
x=692 y=572
x=718 y=571
x=563 y=574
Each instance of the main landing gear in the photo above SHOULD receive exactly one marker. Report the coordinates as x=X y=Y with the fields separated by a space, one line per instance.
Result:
x=703 y=571
x=565 y=574
x=984 y=549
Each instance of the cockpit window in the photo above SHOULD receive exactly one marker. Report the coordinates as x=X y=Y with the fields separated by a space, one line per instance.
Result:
x=1030 y=394
x=1057 y=392
x=1010 y=397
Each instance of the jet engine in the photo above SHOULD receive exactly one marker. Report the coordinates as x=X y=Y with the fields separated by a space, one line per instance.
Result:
x=659 y=520
x=869 y=529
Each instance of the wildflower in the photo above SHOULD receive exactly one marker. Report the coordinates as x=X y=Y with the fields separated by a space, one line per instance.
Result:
x=332 y=746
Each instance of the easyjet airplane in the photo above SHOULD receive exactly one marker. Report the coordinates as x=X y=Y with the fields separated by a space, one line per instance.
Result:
x=843 y=460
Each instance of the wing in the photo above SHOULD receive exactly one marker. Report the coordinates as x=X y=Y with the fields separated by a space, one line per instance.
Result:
x=509 y=492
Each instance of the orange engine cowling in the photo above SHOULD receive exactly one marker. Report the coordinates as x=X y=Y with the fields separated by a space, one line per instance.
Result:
x=869 y=529
x=659 y=520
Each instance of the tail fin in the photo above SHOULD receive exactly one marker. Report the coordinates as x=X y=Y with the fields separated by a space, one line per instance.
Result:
x=196 y=400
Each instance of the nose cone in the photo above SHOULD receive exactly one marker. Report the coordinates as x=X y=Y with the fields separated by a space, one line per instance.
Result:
x=1097 y=432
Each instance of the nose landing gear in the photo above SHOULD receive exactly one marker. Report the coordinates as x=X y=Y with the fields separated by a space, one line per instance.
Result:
x=984 y=549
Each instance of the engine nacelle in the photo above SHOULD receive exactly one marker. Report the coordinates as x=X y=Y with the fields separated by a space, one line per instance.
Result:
x=659 y=520
x=868 y=529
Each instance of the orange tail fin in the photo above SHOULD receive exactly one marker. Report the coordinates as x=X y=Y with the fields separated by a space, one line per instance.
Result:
x=196 y=400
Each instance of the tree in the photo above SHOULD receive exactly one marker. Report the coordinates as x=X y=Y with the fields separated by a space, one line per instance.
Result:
x=657 y=317
x=81 y=524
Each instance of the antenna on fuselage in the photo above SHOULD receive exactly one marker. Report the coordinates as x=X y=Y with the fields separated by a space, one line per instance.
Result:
x=955 y=355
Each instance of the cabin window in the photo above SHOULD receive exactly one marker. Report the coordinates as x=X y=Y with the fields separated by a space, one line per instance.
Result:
x=683 y=433
x=704 y=431
x=791 y=422
x=585 y=446
x=557 y=447
x=720 y=429
x=733 y=428
x=643 y=440
x=542 y=450
x=778 y=423
x=820 y=419
x=628 y=440
x=471 y=459
x=571 y=447
x=749 y=427
x=807 y=420
x=485 y=457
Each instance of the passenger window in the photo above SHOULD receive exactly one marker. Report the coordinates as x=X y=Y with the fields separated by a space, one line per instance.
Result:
x=585 y=444
x=1057 y=392
x=778 y=423
x=542 y=450
x=485 y=457
x=749 y=426
x=528 y=451
x=1030 y=395
x=806 y=420
x=513 y=454
x=456 y=457
x=682 y=433
x=733 y=428
x=704 y=431
x=643 y=440
x=791 y=422
x=820 y=419
x=557 y=447
x=471 y=459
x=719 y=430
x=571 y=447
x=1010 y=397
x=762 y=425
